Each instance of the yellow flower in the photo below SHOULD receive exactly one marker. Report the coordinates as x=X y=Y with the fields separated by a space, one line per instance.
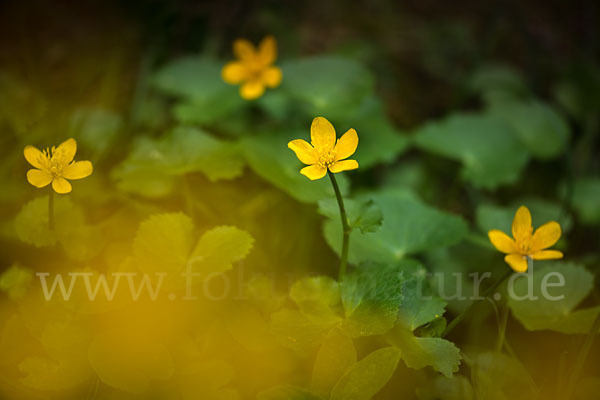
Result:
x=56 y=165
x=526 y=243
x=325 y=153
x=254 y=69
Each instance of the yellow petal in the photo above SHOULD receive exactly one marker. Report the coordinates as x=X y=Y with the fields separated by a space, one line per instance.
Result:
x=67 y=150
x=304 y=151
x=243 y=49
x=521 y=226
x=501 y=241
x=322 y=135
x=267 y=50
x=252 y=90
x=346 y=145
x=344 y=165
x=545 y=236
x=78 y=170
x=547 y=255
x=234 y=72
x=61 y=185
x=313 y=172
x=517 y=262
x=271 y=76
x=38 y=178
x=34 y=156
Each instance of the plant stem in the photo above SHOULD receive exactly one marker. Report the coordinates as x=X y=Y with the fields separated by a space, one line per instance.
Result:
x=583 y=353
x=345 y=227
x=51 y=210
x=463 y=314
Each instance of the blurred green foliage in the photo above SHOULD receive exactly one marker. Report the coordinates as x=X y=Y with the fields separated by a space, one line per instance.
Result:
x=460 y=121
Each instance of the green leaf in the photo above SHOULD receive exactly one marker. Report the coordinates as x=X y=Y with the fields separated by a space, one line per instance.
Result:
x=269 y=157
x=578 y=92
x=379 y=140
x=31 y=224
x=286 y=393
x=442 y=388
x=329 y=86
x=182 y=151
x=451 y=268
x=197 y=81
x=367 y=376
x=432 y=329
x=541 y=129
x=419 y=305
x=82 y=242
x=420 y=352
x=163 y=243
x=490 y=153
x=299 y=331
x=336 y=356
x=189 y=150
x=370 y=300
x=371 y=296
x=138 y=179
x=318 y=299
x=500 y=377
x=586 y=192
x=219 y=247
x=498 y=82
x=15 y=281
x=363 y=215
x=409 y=227
x=276 y=103
x=555 y=309
x=318 y=295
x=129 y=365
x=95 y=128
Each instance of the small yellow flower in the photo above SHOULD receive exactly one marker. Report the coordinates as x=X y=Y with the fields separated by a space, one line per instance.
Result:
x=254 y=69
x=526 y=243
x=56 y=165
x=325 y=153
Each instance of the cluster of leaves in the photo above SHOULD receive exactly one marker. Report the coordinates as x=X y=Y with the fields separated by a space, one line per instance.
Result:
x=220 y=157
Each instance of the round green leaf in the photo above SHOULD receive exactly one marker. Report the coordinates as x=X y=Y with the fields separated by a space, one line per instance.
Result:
x=329 y=86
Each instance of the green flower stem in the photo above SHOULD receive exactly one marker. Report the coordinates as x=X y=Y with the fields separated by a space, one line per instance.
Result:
x=463 y=314
x=51 y=210
x=581 y=357
x=345 y=227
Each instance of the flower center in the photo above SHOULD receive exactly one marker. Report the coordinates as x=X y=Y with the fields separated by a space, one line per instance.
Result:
x=54 y=161
x=255 y=68
x=326 y=160
x=524 y=247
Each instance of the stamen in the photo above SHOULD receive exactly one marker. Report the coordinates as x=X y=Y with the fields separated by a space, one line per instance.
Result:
x=327 y=160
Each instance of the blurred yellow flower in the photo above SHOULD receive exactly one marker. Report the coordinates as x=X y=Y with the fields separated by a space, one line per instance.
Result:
x=526 y=243
x=56 y=165
x=253 y=69
x=325 y=153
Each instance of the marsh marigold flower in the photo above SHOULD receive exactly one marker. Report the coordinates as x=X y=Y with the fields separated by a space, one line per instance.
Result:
x=325 y=153
x=526 y=243
x=253 y=69
x=55 y=166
